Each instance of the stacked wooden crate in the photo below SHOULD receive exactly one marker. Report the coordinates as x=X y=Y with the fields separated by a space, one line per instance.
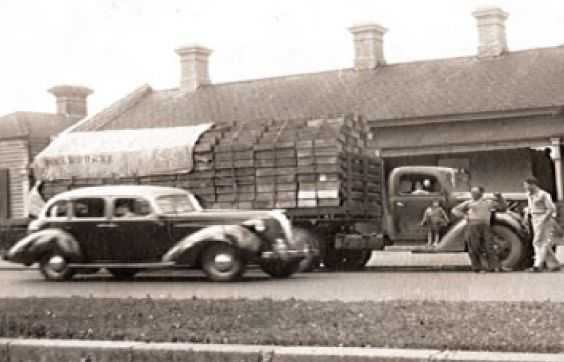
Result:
x=305 y=166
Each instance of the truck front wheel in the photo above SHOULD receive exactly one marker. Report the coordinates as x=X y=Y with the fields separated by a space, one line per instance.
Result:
x=513 y=252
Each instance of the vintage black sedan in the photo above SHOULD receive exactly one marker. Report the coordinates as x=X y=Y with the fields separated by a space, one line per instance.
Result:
x=130 y=228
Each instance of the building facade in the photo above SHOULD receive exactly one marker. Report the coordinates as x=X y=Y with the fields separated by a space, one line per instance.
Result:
x=23 y=135
x=497 y=114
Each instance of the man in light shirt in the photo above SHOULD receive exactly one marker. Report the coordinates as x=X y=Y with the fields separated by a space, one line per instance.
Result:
x=541 y=210
x=479 y=235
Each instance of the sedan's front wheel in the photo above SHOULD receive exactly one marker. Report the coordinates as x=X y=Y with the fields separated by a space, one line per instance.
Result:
x=222 y=263
x=54 y=266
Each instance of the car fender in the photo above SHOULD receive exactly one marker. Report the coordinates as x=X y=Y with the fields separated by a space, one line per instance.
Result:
x=187 y=250
x=32 y=247
x=453 y=240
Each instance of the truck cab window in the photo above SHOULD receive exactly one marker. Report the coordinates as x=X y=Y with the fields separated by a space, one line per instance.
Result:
x=89 y=208
x=419 y=185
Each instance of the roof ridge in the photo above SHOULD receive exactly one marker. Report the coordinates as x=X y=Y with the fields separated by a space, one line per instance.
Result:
x=112 y=111
x=352 y=70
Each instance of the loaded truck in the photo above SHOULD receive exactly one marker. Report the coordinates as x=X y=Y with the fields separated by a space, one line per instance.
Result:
x=321 y=172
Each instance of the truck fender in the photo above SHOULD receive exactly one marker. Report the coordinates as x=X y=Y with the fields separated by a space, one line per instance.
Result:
x=32 y=247
x=187 y=250
x=453 y=240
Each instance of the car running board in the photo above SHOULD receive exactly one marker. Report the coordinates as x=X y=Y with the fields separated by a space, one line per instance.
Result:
x=158 y=265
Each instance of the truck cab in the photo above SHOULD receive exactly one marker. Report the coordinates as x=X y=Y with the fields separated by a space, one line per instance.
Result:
x=410 y=191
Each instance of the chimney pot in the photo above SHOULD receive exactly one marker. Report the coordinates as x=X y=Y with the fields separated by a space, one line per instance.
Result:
x=193 y=67
x=368 y=45
x=491 y=31
x=71 y=100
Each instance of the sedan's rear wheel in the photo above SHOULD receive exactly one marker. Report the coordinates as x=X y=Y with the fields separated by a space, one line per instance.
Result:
x=123 y=273
x=222 y=263
x=280 y=268
x=54 y=266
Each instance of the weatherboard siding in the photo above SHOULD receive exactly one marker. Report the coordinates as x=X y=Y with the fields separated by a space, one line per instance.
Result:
x=14 y=155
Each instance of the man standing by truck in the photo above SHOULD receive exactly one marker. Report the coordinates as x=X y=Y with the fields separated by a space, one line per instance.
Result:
x=479 y=235
x=541 y=211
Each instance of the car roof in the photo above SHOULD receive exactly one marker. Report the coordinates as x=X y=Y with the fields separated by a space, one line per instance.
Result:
x=120 y=190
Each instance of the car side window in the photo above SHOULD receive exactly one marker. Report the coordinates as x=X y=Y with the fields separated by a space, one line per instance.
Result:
x=131 y=207
x=58 y=210
x=89 y=208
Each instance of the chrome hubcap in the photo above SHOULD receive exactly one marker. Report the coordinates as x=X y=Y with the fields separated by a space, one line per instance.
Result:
x=57 y=263
x=223 y=262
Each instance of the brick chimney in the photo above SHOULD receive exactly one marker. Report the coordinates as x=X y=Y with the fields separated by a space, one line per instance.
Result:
x=71 y=100
x=368 y=45
x=491 y=31
x=193 y=67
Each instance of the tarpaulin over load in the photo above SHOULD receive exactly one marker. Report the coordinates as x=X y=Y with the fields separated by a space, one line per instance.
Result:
x=119 y=153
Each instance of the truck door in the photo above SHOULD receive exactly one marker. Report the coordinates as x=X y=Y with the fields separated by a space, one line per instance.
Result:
x=413 y=194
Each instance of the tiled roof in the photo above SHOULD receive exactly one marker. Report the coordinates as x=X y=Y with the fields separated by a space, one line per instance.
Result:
x=519 y=80
x=33 y=124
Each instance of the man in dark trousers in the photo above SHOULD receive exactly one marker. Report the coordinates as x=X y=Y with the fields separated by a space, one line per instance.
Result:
x=479 y=235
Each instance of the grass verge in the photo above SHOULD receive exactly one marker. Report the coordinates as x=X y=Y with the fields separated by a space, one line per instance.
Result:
x=527 y=327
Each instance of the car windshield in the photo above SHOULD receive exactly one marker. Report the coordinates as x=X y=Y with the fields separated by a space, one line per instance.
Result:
x=178 y=204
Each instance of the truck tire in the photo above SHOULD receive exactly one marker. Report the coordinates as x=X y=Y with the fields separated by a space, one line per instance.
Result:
x=281 y=269
x=513 y=251
x=345 y=259
x=304 y=237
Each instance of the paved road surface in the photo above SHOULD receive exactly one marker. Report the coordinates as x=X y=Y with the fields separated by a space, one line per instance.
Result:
x=391 y=276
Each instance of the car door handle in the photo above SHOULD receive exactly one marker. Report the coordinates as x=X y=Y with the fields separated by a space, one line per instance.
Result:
x=400 y=204
x=107 y=225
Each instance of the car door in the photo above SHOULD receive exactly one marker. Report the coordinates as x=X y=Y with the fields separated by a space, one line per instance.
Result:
x=92 y=228
x=142 y=235
x=409 y=203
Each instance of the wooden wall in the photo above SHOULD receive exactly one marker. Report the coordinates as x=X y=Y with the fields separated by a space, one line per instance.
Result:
x=14 y=155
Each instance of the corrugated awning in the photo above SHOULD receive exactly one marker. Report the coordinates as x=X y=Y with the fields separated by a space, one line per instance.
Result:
x=119 y=153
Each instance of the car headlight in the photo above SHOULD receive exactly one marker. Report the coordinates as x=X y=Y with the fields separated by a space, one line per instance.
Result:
x=256 y=224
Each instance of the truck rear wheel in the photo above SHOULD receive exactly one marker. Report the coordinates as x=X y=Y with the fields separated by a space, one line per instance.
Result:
x=345 y=259
x=304 y=237
x=513 y=252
